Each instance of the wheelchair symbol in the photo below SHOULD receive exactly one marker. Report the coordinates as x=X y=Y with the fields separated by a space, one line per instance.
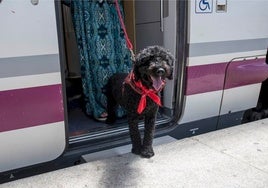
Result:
x=203 y=6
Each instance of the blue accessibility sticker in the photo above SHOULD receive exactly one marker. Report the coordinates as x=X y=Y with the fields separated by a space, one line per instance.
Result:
x=203 y=6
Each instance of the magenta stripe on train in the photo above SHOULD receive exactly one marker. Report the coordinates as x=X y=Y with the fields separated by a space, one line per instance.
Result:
x=205 y=78
x=22 y=108
x=245 y=73
x=211 y=77
x=30 y=107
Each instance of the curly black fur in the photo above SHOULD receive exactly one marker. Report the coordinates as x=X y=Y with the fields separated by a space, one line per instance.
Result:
x=152 y=63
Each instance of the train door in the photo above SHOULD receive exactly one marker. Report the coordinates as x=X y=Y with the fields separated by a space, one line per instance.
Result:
x=32 y=126
x=158 y=28
x=244 y=77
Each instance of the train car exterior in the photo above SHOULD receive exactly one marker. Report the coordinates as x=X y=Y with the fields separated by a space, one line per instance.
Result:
x=220 y=74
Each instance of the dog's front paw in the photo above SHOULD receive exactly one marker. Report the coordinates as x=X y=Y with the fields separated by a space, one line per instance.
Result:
x=136 y=151
x=147 y=152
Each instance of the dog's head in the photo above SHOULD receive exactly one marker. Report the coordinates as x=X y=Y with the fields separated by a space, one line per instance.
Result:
x=152 y=66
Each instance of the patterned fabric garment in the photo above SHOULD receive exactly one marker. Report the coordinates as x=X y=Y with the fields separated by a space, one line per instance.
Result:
x=102 y=48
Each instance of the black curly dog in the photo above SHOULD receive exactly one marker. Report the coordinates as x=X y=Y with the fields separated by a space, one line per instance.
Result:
x=138 y=92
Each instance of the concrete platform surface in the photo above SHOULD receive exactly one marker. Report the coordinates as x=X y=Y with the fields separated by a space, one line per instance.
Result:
x=228 y=158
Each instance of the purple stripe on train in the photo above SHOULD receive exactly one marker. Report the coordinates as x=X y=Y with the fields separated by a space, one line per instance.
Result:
x=30 y=107
x=207 y=78
x=246 y=72
x=22 y=108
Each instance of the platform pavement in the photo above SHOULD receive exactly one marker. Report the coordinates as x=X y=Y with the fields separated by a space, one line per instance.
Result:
x=228 y=158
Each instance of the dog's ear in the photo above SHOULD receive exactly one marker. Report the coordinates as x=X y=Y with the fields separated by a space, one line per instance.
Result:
x=169 y=59
x=167 y=56
x=143 y=56
x=170 y=74
x=136 y=72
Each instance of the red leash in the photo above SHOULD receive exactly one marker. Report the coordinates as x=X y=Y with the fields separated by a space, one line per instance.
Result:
x=129 y=44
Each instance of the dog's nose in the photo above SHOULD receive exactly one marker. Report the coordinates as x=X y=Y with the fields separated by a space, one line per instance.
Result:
x=160 y=72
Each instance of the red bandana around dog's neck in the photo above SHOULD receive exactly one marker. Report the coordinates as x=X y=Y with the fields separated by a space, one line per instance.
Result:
x=144 y=92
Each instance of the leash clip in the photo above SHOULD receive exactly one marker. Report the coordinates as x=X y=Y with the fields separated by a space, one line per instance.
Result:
x=132 y=55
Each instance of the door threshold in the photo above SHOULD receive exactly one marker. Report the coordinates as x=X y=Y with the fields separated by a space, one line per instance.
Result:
x=117 y=151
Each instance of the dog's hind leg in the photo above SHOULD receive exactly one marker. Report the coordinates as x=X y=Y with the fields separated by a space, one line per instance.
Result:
x=134 y=135
x=111 y=107
x=147 y=148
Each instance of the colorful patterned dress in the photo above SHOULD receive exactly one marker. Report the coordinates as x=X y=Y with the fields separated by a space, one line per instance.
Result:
x=102 y=48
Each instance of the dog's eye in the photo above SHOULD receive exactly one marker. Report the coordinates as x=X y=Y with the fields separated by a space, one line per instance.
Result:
x=164 y=62
x=152 y=64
